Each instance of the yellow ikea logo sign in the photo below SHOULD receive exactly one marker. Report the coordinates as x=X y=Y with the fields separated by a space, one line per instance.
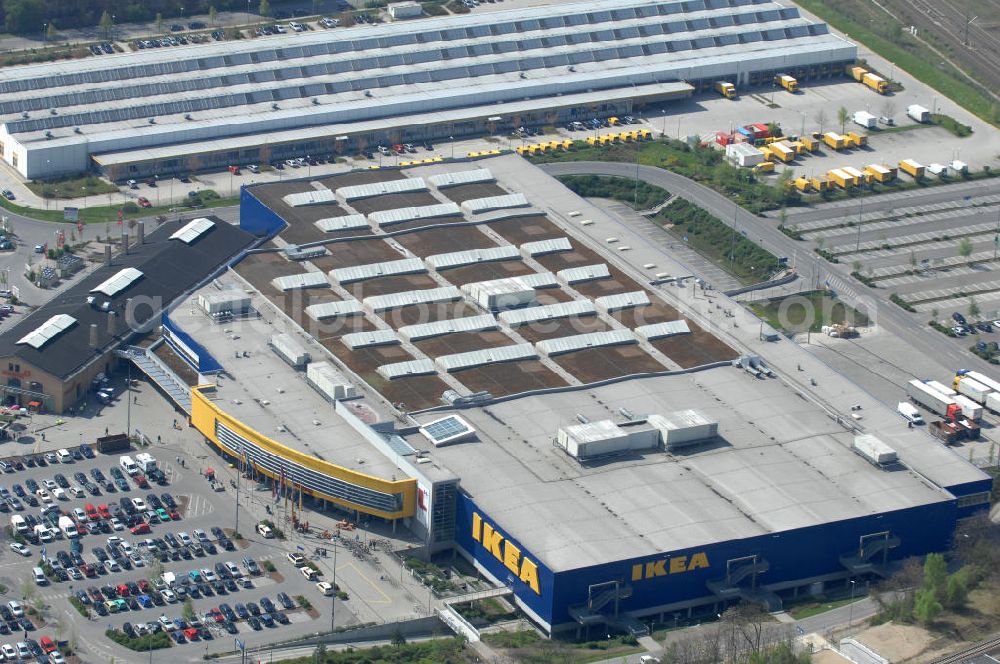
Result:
x=674 y=565
x=503 y=550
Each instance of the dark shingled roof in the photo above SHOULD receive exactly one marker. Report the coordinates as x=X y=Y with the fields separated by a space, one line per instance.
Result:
x=170 y=268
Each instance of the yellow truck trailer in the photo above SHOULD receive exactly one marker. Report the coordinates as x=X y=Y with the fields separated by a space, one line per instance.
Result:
x=765 y=167
x=835 y=140
x=802 y=184
x=858 y=176
x=810 y=143
x=645 y=134
x=881 y=173
x=876 y=83
x=857 y=73
x=782 y=151
x=912 y=168
x=840 y=178
x=787 y=82
x=727 y=90
x=856 y=140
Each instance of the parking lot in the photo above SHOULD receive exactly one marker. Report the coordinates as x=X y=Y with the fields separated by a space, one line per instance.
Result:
x=192 y=547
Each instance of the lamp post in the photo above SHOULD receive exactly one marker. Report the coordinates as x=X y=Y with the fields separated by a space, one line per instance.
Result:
x=156 y=181
x=452 y=139
x=45 y=33
x=333 y=601
x=850 y=612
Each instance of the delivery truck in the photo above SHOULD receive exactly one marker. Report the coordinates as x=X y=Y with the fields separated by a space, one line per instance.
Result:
x=993 y=385
x=865 y=119
x=881 y=173
x=970 y=408
x=835 y=140
x=68 y=527
x=909 y=412
x=727 y=90
x=928 y=397
x=146 y=462
x=874 y=450
x=918 y=113
x=787 y=82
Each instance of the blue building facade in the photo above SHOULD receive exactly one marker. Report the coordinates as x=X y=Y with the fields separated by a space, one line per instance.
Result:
x=675 y=578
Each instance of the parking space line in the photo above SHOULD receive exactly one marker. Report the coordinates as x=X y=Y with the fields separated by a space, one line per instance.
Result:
x=385 y=598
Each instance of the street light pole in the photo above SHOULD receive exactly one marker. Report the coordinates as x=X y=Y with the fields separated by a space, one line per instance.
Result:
x=861 y=211
x=850 y=613
x=333 y=602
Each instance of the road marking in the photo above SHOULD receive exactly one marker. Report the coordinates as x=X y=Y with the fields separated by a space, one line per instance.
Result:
x=385 y=598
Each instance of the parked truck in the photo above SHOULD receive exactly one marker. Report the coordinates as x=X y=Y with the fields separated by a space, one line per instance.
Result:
x=146 y=462
x=865 y=119
x=727 y=90
x=928 y=397
x=876 y=83
x=835 y=140
x=918 y=113
x=972 y=389
x=881 y=173
x=983 y=379
x=874 y=450
x=909 y=412
x=970 y=408
x=787 y=82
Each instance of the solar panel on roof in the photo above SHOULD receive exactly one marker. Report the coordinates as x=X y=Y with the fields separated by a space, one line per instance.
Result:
x=48 y=330
x=117 y=282
x=447 y=430
x=193 y=230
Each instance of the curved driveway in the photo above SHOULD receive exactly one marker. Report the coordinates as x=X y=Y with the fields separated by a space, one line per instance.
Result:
x=910 y=329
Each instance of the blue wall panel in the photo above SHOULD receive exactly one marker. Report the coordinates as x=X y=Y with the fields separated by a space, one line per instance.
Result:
x=792 y=555
x=540 y=603
x=257 y=218
x=205 y=362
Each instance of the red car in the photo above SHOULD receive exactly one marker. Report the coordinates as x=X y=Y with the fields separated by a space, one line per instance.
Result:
x=123 y=590
x=216 y=615
x=144 y=202
x=141 y=529
x=141 y=482
x=143 y=585
x=191 y=633
x=174 y=516
x=104 y=511
x=47 y=644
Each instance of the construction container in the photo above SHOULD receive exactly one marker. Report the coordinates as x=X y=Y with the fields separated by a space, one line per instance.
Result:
x=857 y=73
x=960 y=167
x=744 y=154
x=746 y=132
x=797 y=146
x=835 y=140
x=760 y=130
x=802 y=184
x=764 y=150
x=820 y=183
x=937 y=169
x=865 y=119
x=765 y=167
x=809 y=143
x=876 y=83
x=881 y=173
x=723 y=139
x=874 y=450
x=727 y=90
x=787 y=82
x=912 y=168
x=856 y=140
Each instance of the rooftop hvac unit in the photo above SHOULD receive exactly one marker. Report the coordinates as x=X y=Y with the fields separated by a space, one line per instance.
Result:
x=329 y=382
x=288 y=349
x=683 y=428
x=603 y=438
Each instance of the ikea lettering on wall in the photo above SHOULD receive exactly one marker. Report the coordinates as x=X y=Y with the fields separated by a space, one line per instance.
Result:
x=506 y=552
x=672 y=565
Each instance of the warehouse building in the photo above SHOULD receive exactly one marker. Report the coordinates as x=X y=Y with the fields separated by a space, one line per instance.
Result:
x=54 y=354
x=185 y=109
x=584 y=442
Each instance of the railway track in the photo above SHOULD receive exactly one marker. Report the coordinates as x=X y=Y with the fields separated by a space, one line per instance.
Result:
x=980 y=648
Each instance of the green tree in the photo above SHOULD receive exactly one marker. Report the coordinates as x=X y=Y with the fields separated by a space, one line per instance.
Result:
x=213 y=15
x=319 y=655
x=50 y=32
x=925 y=607
x=397 y=638
x=973 y=309
x=820 y=118
x=956 y=592
x=965 y=247
x=159 y=22
x=106 y=24
x=774 y=128
x=264 y=8
x=935 y=575
x=23 y=16
x=842 y=116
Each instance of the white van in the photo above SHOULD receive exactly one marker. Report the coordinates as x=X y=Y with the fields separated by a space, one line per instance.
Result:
x=64 y=456
x=128 y=465
x=265 y=531
x=39 y=576
x=909 y=412
x=18 y=523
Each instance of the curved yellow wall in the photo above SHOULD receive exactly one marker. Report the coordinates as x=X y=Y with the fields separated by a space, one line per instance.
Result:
x=204 y=415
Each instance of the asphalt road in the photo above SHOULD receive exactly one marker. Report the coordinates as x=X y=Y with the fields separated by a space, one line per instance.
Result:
x=909 y=329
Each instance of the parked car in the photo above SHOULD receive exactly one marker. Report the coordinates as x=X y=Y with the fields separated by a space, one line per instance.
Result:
x=144 y=202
